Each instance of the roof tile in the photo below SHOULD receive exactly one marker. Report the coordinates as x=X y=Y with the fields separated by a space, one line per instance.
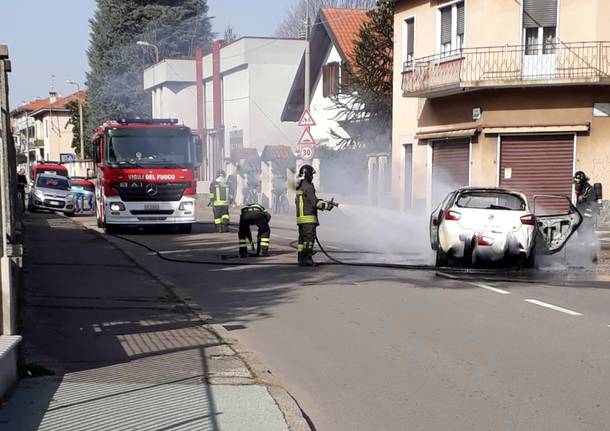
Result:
x=345 y=25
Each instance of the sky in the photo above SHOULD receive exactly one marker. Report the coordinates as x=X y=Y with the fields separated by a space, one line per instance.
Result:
x=51 y=37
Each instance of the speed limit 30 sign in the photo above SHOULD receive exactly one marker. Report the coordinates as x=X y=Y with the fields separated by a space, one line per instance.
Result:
x=306 y=152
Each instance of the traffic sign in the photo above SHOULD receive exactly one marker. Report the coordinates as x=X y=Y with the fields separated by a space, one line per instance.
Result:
x=306 y=138
x=306 y=152
x=306 y=119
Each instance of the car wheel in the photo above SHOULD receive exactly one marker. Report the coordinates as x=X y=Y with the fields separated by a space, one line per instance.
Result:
x=185 y=228
x=70 y=214
x=441 y=258
x=530 y=261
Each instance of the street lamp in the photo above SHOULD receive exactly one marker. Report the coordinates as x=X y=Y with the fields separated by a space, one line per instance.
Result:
x=80 y=117
x=150 y=45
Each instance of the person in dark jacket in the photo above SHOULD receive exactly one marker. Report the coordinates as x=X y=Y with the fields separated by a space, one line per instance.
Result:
x=254 y=214
x=308 y=205
x=219 y=200
x=585 y=195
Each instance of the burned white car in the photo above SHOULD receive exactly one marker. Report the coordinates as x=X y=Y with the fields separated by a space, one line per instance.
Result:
x=478 y=225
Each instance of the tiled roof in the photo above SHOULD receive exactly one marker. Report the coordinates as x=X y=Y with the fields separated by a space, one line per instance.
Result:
x=276 y=152
x=344 y=24
x=244 y=154
x=60 y=103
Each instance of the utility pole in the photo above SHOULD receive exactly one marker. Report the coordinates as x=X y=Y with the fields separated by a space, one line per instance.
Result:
x=80 y=118
x=307 y=57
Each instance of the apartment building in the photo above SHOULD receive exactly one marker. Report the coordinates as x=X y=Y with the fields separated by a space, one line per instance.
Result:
x=510 y=93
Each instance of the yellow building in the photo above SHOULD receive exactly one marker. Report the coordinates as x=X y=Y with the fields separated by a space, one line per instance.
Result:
x=510 y=93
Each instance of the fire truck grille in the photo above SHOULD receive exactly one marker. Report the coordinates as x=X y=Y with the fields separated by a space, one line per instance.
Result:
x=151 y=192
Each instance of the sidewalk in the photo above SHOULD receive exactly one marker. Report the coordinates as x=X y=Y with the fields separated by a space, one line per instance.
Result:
x=126 y=355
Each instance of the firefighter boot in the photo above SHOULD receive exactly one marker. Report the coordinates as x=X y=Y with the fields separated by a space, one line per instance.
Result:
x=307 y=258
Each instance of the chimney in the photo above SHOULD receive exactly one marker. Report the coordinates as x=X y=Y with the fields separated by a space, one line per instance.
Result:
x=52 y=96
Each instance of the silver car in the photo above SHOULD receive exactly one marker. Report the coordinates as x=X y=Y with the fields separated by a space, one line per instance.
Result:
x=51 y=192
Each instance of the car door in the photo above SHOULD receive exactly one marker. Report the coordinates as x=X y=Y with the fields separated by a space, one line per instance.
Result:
x=554 y=231
x=436 y=218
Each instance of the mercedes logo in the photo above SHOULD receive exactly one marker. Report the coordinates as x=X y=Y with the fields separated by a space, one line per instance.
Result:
x=151 y=189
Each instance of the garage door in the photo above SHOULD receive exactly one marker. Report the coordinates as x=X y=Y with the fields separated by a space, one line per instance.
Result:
x=450 y=167
x=538 y=165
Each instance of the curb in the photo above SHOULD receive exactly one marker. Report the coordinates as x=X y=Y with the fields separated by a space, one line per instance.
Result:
x=296 y=419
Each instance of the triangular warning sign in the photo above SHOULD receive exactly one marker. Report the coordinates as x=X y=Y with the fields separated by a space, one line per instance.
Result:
x=306 y=119
x=306 y=138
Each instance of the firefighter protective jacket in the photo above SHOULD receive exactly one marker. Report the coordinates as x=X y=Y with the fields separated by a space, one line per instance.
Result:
x=308 y=203
x=255 y=208
x=585 y=201
x=219 y=194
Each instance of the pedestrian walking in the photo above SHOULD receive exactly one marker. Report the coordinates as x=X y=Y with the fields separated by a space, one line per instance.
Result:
x=22 y=183
x=254 y=214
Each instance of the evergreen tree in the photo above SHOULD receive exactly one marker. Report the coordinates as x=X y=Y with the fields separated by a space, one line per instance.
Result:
x=115 y=82
x=367 y=111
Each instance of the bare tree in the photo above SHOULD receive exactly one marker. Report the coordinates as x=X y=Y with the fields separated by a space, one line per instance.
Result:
x=293 y=24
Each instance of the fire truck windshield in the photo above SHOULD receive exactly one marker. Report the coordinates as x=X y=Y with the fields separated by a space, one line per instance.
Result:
x=149 y=147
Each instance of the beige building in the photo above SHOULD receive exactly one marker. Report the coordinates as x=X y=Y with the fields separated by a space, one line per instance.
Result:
x=49 y=132
x=511 y=93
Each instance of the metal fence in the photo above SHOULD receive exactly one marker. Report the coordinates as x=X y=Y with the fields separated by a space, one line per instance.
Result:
x=508 y=65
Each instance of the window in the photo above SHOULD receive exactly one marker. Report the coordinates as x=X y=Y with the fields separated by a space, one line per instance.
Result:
x=330 y=79
x=345 y=79
x=540 y=26
x=408 y=43
x=452 y=28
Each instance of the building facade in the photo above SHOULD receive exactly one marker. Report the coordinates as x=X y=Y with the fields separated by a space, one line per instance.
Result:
x=332 y=38
x=244 y=86
x=45 y=122
x=499 y=93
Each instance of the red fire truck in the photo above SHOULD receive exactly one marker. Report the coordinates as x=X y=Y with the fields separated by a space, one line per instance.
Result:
x=145 y=173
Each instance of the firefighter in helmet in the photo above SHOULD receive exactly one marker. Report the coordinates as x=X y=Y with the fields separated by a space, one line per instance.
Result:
x=308 y=205
x=254 y=214
x=219 y=200
x=585 y=196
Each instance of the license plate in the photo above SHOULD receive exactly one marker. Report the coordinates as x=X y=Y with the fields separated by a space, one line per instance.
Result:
x=151 y=206
x=55 y=202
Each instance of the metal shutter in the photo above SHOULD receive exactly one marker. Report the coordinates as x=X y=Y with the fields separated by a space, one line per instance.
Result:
x=410 y=36
x=539 y=13
x=446 y=25
x=538 y=165
x=450 y=167
x=460 y=18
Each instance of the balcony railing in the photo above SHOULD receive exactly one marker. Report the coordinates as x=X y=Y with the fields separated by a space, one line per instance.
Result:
x=504 y=66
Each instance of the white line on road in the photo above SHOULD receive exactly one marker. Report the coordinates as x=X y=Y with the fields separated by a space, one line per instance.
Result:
x=493 y=289
x=553 y=307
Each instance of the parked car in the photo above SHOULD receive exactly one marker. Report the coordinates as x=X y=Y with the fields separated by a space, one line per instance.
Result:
x=51 y=192
x=479 y=225
x=86 y=188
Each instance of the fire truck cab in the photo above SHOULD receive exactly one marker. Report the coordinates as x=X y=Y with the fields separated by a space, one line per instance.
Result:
x=145 y=173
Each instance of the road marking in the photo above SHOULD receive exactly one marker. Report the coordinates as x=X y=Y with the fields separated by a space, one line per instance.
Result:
x=553 y=307
x=493 y=289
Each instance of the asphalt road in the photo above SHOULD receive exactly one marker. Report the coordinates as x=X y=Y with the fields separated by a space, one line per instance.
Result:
x=381 y=349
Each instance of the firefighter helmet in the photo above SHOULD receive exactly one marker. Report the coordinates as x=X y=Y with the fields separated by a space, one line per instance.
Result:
x=306 y=171
x=580 y=177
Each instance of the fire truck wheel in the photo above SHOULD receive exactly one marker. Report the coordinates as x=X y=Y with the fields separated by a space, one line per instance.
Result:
x=110 y=229
x=185 y=228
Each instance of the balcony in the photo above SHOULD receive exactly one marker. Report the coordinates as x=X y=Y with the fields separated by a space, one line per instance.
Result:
x=557 y=63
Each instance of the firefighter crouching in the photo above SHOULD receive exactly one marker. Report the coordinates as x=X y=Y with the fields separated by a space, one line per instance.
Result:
x=219 y=200
x=254 y=214
x=307 y=214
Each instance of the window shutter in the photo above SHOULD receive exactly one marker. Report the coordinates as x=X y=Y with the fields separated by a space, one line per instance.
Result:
x=410 y=36
x=460 y=19
x=539 y=13
x=345 y=79
x=446 y=25
x=334 y=90
x=325 y=81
